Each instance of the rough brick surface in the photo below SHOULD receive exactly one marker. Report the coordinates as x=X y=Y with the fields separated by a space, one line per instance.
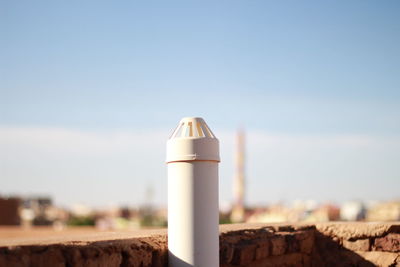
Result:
x=390 y=242
x=278 y=245
x=378 y=258
x=138 y=252
x=357 y=230
x=306 y=241
x=262 y=250
x=244 y=254
x=242 y=245
x=357 y=245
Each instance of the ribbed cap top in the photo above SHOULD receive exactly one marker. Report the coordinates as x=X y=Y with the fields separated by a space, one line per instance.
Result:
x=192 y=140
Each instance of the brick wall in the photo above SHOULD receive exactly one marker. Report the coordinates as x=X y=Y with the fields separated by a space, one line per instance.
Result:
x=327 y=244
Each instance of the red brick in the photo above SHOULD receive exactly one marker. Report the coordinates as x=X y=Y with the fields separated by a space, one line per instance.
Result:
x=390 y=243
x=244 y=254
x=278 y=245
x=306 y=241
x=262 y=250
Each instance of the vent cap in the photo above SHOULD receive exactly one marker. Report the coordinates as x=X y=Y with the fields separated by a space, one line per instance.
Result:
x=192 y=140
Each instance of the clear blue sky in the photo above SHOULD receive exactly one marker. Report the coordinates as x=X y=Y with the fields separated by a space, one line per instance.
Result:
x=287 y=69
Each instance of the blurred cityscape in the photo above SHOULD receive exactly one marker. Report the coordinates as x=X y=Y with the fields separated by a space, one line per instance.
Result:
x=27 y=211
x=40 y=211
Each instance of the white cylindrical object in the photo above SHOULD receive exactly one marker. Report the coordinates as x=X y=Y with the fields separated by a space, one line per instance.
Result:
x=193 y=214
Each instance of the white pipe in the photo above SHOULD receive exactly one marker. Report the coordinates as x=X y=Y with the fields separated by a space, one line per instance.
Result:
x=193 y=214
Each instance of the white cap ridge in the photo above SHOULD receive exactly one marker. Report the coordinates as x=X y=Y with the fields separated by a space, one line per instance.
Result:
x=192 y=140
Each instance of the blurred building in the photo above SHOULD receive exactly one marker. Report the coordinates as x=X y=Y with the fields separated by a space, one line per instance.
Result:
x=10 y=211
x=271 y=214
x=301 y=211
x=38 y=210
x=27 y=211
x=387 y=211
x=352 y=211
x=324 y=213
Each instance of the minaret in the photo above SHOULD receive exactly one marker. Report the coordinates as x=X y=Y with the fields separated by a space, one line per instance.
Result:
x=237 y=214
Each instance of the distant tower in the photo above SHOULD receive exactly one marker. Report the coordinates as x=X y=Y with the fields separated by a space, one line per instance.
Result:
x=237 y=214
